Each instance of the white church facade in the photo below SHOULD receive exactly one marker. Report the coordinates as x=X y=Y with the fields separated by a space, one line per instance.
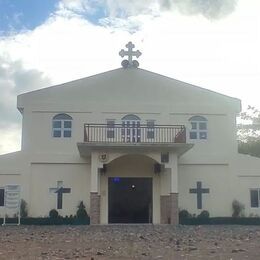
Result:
x=134 y=146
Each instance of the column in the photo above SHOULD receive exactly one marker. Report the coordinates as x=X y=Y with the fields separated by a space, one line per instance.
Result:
x=174 y=205
x=94 y=190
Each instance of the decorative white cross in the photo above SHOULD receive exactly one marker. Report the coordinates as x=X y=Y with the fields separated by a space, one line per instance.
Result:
x=130 y=53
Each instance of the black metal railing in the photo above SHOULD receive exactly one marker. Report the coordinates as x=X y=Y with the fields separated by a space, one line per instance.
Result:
x=118 y=133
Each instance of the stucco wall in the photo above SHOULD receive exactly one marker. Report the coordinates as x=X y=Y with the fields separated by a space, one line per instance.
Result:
x=45 y=176
x=216 y=178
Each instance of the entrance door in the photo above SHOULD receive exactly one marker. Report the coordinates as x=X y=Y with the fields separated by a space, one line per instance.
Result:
x=130 y=200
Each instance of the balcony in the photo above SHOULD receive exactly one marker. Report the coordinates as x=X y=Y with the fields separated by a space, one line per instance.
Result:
x=117 y=133
x=134 y=138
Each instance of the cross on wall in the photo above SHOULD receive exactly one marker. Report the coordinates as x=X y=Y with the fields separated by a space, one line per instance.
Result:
x=199 y=191
x=59 y=190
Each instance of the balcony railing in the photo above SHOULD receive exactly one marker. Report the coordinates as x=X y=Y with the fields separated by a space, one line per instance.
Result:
x=117 y=133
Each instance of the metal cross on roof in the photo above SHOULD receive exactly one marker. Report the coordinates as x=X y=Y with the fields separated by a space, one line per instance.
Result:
x=130 y=53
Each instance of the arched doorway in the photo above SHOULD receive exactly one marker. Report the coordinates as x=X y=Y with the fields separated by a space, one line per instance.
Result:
x=130 y=200
x=132 y=189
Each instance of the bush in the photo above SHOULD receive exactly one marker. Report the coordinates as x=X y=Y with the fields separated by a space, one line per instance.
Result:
x=184 y=215
x=23 y=209
x=81 y=212
x=204 y=214
x=53 y=214
x=238 y=208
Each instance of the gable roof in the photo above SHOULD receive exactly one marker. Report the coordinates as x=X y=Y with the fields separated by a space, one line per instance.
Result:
x=126 y=86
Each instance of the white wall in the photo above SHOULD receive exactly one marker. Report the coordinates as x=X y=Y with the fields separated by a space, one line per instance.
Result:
x=45 y=176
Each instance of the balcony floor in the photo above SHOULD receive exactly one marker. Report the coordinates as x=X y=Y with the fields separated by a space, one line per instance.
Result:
x=85 y=148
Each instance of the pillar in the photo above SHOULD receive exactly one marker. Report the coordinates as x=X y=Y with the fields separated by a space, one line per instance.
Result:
x=169 y=203
x=94 y=208
x=94 y=190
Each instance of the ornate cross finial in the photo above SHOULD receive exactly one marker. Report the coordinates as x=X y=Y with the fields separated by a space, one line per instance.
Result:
x=130 y=53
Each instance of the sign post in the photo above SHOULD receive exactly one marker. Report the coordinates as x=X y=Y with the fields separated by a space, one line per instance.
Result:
x=12 y=202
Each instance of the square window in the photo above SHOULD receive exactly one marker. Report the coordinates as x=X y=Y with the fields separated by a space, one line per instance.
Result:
x=67 y=133
x=193 y=135
x=203 y=135
x=2 y=197
x=110 y=123
x=56 y=133
x=254 y=198
x=56 y=124
x=203 y=126
x=110 y=133
x=150 y=124
x=193 y=125
x=150 y=134
x=67 y=124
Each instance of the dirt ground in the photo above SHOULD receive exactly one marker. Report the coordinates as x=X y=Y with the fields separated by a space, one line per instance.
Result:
x=130 y=242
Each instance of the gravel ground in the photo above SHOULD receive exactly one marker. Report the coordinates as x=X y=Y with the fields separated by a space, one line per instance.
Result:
x=130 y=242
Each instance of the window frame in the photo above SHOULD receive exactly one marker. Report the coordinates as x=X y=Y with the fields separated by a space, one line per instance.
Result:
x=63 y=130
x=150 y=124
x=110 y=129
x=198 y=128
x=258 y=194
x=2 y=188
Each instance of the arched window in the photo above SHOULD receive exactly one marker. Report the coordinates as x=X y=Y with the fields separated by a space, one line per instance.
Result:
x=131 y=131
x=131 y=117
x=61 y=125
x=199 y=129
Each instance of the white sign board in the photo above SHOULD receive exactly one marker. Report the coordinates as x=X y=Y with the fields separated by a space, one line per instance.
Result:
x=12 y=202
x=12 y=196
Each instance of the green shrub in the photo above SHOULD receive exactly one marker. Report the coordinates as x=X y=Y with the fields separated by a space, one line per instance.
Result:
x=53 y=214
x=184 y=215
x=81 y=212
x=23 y=209
x=238 y=208
x=204 y=214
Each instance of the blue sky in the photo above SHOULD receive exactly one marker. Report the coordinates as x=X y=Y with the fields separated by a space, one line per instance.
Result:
x=19 y=15
x=24 y=14
x=211 y=44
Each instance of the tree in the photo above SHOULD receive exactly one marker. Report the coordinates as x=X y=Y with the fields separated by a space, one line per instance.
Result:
x=249 y=132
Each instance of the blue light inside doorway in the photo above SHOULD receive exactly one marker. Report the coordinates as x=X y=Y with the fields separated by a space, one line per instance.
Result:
x=116 y=180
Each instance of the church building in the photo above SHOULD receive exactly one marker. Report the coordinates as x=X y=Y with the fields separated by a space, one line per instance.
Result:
x=134 y=146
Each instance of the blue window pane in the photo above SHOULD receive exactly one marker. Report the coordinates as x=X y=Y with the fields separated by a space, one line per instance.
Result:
x=193 y=135
x=110 y=123
x=62 y=117
x=56 y=124
x=203 y=126
x=57 y=133
x=193 y=125
x=2 y=197
x=67 y=133
x=110 y=134
x=67 y=124
x=150 y=134
x=203 y=135
x=254 y=198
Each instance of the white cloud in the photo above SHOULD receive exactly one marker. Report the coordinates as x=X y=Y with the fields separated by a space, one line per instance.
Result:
x=10 y=139
x=124 y=8
x=14 y=79
x=222 y=55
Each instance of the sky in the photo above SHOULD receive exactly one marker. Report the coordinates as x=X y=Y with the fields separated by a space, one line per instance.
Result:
x=214 y=44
